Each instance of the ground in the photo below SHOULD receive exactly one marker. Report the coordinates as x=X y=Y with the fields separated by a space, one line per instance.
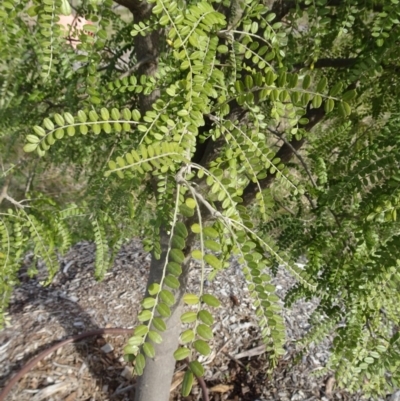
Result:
x=94 y=369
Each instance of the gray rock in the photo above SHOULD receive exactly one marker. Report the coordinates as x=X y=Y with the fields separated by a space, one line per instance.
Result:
x=395 y=396
x=127 y=373
x=107 y=348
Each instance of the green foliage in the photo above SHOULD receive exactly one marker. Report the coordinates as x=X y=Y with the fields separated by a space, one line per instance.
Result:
x=271 y=135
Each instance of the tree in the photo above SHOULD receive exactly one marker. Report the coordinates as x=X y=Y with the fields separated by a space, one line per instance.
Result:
x=264 y=130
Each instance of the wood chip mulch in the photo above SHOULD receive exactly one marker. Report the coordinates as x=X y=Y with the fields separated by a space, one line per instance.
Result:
x=94 y=369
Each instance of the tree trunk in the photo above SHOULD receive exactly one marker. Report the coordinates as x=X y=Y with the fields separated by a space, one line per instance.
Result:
x=155 y=383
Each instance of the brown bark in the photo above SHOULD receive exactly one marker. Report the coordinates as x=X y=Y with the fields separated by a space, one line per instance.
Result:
x=147 y=48
x=285 y=154
x=154 y=384
x=336 y=63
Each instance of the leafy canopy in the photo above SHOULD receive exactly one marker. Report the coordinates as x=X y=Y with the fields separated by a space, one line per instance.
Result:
x=267 y=131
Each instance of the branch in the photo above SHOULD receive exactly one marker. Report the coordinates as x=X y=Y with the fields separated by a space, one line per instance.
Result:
x=146 y=48
x=131 y=5
x=4 y=194
x=285 y=153
x=138 y=65
x=282 y=7
x=329 y=63
x=297 y=154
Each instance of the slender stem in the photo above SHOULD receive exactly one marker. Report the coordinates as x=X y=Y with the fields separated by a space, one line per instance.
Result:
x=201 y=382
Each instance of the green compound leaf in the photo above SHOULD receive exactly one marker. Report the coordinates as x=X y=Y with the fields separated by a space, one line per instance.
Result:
x=191 y=299
x=306 y=82
x=69 y=118
x=163 y=310
x=322 y=84
x=178 y=242
x=189 y=317
x=140 y=363
x=329 y=105
x=30 y=147
x=191 y=203
x=213 y=261
x=131 y=349
x=196 y=228
x=344 y=109
x=105 y=115
x=197 y=254
x=186 y=211
x=336 y=89
x=197 y=368
x=48 y=124
x=148 y=303
x=174 y=268
x=212 y=245
x=210 y=300
x=167 y=297
x=349 y=95
x=154 y=288
x=59 y=133
x=202 y=347
x=93 y=116
x=115 y=114
x=159 y=324
x=144 y=316
x=39 y=130
x=187 y=336
x=206 y=317
x=136 y=115
x=149 y=350
x=82 y=116
x=180 y=229
x=65 y=7
x=155 y=337
x=187 y=383
x=181 y=353
x=141 y=330
x=204 y=332
x=171 y=282
x=32 y=139
x=135 y=341
x=210 y=232
x=177 y=255
x=317 y=101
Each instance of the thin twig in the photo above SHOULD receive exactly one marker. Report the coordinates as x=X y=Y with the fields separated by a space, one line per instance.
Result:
x=297 y=154
x=202 y=384
x=4 y=194
x=123 y=390
x=137 y=66
x=234 y=359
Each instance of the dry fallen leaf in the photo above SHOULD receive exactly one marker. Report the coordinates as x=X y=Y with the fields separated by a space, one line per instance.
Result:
x=251 y=352
x=71 y=397
x=53 y=389
x=177 y=380
x=329 y=386
x=221 y=388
